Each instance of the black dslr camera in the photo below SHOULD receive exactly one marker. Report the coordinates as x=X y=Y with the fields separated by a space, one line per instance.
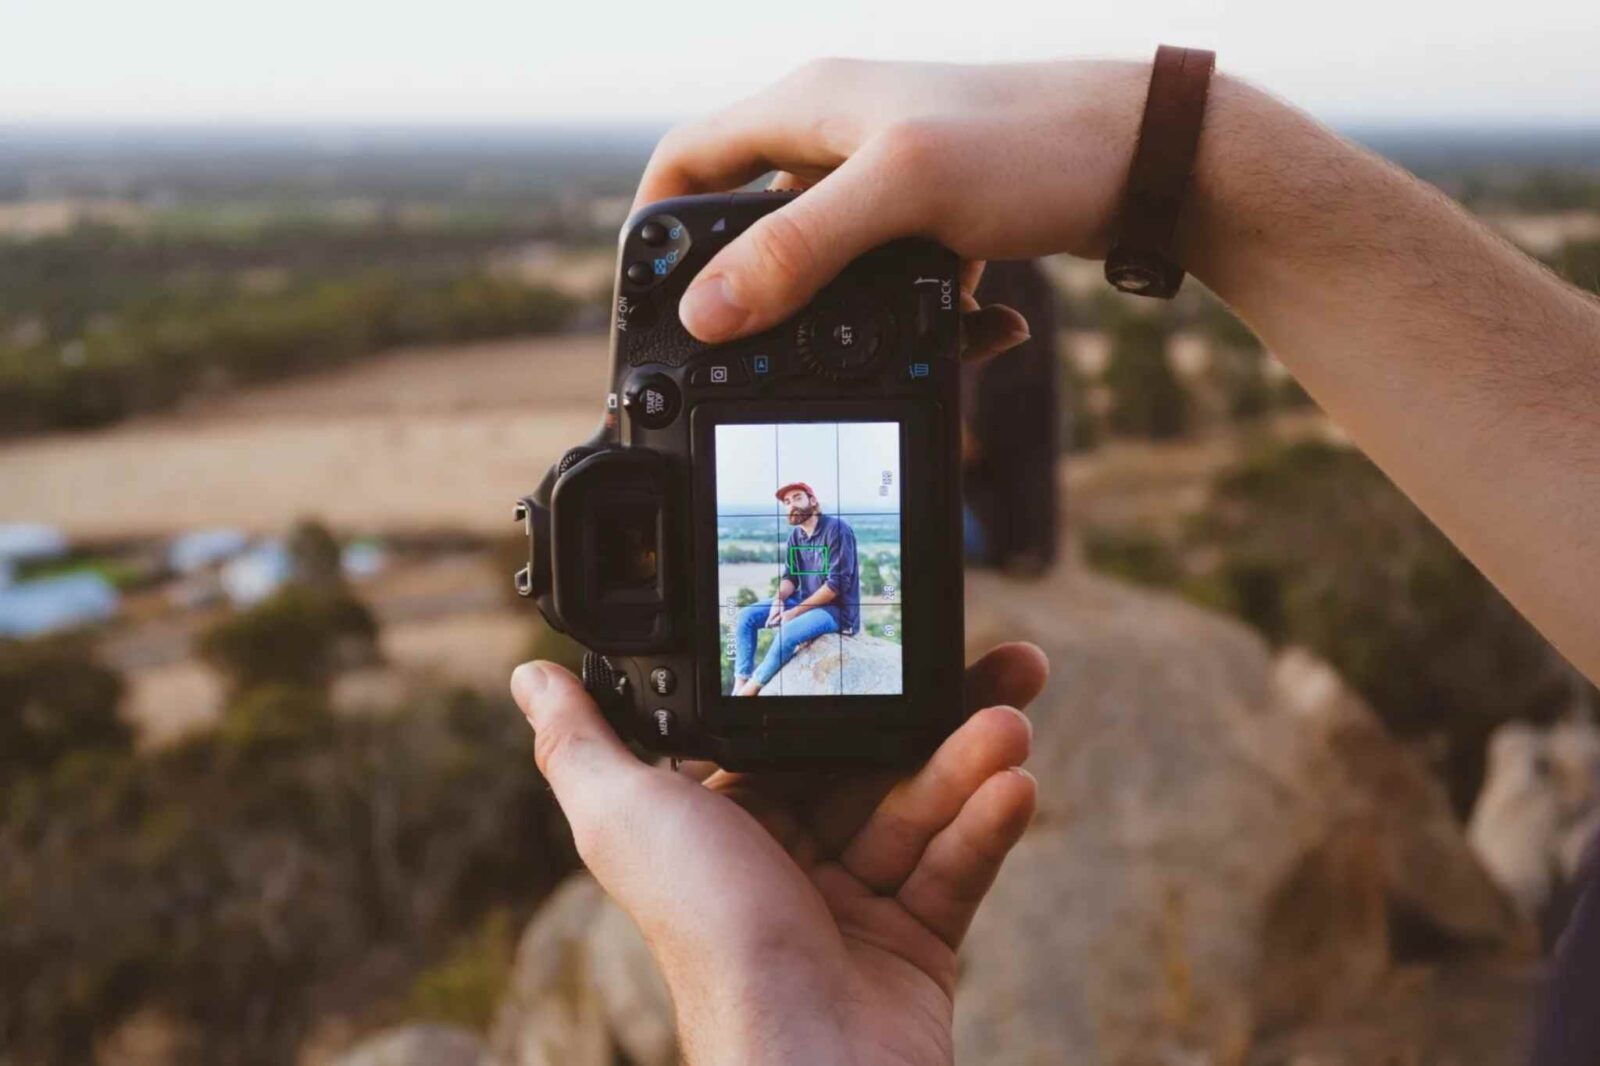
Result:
x=761 y=546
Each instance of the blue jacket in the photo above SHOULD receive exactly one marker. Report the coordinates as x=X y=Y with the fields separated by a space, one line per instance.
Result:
x=827 y=557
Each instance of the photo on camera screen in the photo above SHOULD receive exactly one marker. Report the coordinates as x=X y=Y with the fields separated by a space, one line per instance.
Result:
x=808 y=559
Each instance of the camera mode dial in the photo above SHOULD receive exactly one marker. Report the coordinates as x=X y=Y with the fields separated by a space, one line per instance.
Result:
x=844 y=337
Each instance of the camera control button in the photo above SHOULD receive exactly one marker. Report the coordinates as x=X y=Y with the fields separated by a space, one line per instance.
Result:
x=653 y=402
x=844 y=338
x=761 y=367
x=716 y=375
x=653 y=233
x=640 y=273
x=665 y=721
x=663 y=681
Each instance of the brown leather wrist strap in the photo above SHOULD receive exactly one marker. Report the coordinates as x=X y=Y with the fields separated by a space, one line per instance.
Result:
x=1141 y=260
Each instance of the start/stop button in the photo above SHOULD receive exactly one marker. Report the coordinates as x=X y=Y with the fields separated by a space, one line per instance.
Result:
x=653 y=402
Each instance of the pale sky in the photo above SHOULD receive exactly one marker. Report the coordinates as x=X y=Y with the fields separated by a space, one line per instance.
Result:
x=581 y=60
x=853 y=467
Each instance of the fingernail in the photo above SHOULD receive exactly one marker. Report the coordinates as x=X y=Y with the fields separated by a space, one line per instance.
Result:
x=1015 y=337
x=527 y=682
x=1024 y=773
x=709 y=311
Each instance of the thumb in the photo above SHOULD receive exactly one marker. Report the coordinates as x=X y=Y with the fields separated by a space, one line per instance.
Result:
x=771 y=270
x=588 y=767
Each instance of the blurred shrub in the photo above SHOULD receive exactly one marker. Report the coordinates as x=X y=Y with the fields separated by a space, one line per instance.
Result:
x=1147 y=399
x=237 y=896
x=465 y=987
x=299 y=636
x=1579 y=263
x=1139 y=557
x=274 y=721
x=1079 y=431
x=150 y=355
x=56 y=698
x=1311 y=544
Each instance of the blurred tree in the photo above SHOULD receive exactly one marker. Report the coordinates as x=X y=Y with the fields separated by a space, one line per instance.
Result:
x=1147 y=399
x=315 y=555
x=298 y=637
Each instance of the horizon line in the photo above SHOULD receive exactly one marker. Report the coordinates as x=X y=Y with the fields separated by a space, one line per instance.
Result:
x=643 y=123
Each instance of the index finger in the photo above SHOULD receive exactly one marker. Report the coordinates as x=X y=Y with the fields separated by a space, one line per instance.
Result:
x=777 y=129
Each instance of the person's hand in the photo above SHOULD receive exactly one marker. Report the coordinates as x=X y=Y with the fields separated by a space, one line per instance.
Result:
x=774 y=615
x=800 y=917
x=994 y=161
x=790 y=615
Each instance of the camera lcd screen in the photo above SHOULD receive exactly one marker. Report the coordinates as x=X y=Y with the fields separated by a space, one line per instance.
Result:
x=809 y=559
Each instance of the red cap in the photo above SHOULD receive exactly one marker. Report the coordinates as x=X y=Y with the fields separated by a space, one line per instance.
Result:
x=796 y=485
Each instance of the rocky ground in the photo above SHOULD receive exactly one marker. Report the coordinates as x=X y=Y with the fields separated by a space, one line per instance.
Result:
x=1233 y=865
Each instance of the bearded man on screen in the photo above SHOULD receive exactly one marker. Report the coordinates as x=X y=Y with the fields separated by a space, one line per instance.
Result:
x=819 y=591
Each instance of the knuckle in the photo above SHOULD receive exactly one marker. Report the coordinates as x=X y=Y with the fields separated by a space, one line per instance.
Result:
x=824 y=70
x=783 y=251
x=914 y=146
x=553 y=749
x=672 y=144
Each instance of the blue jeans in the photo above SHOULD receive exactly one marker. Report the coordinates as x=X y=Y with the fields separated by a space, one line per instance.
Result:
x=809 y=626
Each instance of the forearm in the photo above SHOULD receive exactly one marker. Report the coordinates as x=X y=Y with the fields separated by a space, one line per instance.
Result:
x=760 y=1023
x=820 y=598
x=1462 y=367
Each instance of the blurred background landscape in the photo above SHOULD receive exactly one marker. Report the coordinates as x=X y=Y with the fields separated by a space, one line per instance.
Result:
x=1312 y=792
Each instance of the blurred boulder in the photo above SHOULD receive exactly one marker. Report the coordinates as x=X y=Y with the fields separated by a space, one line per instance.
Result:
x=583 y=987
x=1220 y=844
x=149 y=1037
x=1515 y=821
x=1227 y=844
x=1535 y=821
x=416 y=1045
x=826 y=666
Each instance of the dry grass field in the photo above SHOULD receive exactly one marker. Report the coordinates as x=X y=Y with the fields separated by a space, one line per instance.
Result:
x=424 y=439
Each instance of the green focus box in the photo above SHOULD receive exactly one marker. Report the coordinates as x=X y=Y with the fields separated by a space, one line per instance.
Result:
x=795 y=551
